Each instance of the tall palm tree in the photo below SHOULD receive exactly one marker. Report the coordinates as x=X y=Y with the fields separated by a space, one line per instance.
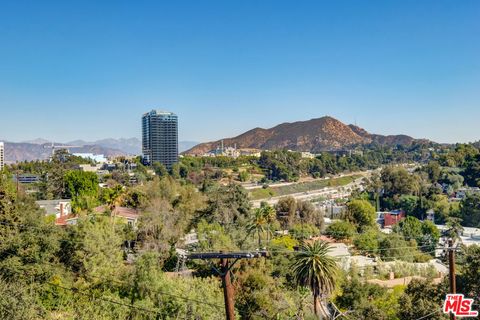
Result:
x=313 y=268
x=113 y=199
x=270 y=216
x=455 y=228
x=258 y=224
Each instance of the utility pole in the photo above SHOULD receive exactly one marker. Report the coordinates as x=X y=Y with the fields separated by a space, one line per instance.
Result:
x=17 y=183
x=227 y=289
x=224 y=273
x=451 y=268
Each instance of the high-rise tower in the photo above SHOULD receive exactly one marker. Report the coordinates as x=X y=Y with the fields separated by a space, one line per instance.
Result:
x=2 y=155
x=160 y=138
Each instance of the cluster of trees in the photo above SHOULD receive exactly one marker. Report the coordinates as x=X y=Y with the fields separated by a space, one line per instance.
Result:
x=429 y=187
x=49 y=272
x=289 y=166
x=51 y=174
x=81 y=271
x=412 y=239
x=87 y=271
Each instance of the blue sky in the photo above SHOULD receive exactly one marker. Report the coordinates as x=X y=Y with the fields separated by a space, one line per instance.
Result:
x=89 y=69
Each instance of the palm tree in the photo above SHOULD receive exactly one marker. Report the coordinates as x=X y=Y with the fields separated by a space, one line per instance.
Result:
x=270 y=216
x=261 y=222
x=113 y=199
x=257 y=224
x=313 y=268
x=455 y=228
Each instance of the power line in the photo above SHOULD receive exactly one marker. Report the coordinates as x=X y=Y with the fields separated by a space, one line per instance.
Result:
x=169 y=294
x=105 y=299
x=428 y=315
x=182 y=297
x=163 y=292
x=125 y=283
x=269 y=251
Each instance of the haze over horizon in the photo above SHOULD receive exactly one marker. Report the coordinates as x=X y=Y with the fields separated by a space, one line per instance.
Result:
x=90 y=70
x=42 y=140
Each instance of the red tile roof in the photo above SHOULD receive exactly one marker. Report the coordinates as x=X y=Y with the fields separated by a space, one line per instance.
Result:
x=62 y=221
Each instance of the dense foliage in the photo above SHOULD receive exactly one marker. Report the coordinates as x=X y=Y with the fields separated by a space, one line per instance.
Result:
x=103 y=268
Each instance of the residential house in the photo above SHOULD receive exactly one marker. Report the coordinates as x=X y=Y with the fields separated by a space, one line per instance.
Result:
x=388 y=219
x=61 y=209
x=128 y=215
x=58 y=207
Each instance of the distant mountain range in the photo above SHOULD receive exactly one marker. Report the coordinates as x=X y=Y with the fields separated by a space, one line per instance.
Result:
x=129 y=146
x=38 y=149
x=315 y=135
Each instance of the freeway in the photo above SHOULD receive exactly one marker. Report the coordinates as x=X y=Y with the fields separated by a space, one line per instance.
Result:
x=252 y=186
x=327 y=192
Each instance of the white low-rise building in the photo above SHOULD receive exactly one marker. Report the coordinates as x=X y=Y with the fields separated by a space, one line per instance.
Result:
x=98 y=158
x=59 y=207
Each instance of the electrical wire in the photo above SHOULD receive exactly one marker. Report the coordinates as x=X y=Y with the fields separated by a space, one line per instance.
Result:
x=199 y=301
x=428 y=315
x=163 y=292
x=221 y=307
x=105 y=299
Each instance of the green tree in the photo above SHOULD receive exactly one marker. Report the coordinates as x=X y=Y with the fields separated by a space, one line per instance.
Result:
x=455 y=228
x=433 y=170
x=280 y=165
x=258 y=225
x=93 y=250
x=409 y=204
x=227 y=204
x=301 y=231
x=394 y=246
x=361 y=213
x=441 y=206
x=341 y=230
x=243 y=176
x=315 y=269
x=286 y=208
x=430 y=237
x=260 y=295
x=470 y=211
x=397 y=181
x=28 y=242
x=18 y=303
x=150 y=287
x=363 y=300
x=469 y=280
x=160 y=169
x=421 y=299
x=452 y=178
x=212 y=236
x=471 y=173
x=368 y=240
x=175 y=171
x=308 y=214
x=410 y=228
x=80 y=185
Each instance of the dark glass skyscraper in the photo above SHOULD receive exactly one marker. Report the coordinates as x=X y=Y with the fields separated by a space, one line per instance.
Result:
x=160 y=137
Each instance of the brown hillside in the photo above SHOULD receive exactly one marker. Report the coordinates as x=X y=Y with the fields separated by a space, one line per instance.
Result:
x=314 y=135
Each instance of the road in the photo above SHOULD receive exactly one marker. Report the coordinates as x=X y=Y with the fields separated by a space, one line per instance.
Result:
x=252 y=186
x=327 y=192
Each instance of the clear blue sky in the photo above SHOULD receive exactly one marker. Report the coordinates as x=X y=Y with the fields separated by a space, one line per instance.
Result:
x=89 y=69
